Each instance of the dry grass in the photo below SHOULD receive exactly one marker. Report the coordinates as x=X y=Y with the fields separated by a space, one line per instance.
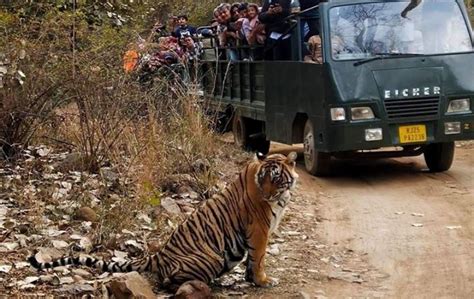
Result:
x=75 y=97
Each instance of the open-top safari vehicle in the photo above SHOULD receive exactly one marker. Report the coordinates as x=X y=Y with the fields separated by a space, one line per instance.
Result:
x=397 y=79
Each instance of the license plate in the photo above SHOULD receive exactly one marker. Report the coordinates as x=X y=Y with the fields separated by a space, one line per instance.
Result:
x=410 y=134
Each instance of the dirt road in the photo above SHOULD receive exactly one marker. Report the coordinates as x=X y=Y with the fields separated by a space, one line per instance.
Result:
x=385 y=228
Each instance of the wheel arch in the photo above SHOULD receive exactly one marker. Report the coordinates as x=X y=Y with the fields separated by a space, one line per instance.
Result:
x=297 y=130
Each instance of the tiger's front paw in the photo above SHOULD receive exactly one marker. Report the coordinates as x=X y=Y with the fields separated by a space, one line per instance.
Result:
x=267 y=282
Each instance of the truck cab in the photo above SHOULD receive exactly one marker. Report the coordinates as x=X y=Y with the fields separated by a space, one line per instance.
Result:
x=397 y=79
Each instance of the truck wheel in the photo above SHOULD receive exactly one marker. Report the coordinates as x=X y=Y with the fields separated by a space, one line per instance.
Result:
x=240 y=130
x=317 y=163
x=439 y=156
x=243 y=128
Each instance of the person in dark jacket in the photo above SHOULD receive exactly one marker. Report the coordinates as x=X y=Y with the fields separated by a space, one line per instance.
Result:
x=183 y=28
x=310 y=17
x=278 y=41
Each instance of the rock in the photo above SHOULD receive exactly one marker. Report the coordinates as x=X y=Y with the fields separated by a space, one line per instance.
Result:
x=47 y=254
x=29 y=279
x=5 y=268
x=85 y=244
x=453 y=227
x=8 y=246
x=50 y=279
x=130 y=285
x=82 y=273
x=274 y=249
x=320 y=292
x=21 y=265
x=179 y=183
x=170 y=205
x=28 y=286
x=78 y=279
x=193 y=289
x=305 y=295
x=346 y=276
x=77 y=289
x=193 y=195
x=22 y=228
x=145 y=218
x=62 y=269
x=184 y=189
x=201 y=165
x=59 y=244
x=43 y=152
x=86 y=214
x=76 y=162
x=109 y=175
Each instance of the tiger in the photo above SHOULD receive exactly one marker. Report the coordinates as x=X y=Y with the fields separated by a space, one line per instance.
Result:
x=220 y=233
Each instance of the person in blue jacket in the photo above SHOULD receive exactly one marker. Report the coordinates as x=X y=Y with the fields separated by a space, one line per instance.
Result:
x=183 y=28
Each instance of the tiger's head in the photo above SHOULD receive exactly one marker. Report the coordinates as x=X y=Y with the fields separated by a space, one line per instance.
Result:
x=276 y=176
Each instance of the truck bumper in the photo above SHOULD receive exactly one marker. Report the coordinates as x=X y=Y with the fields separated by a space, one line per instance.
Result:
x=351 y=136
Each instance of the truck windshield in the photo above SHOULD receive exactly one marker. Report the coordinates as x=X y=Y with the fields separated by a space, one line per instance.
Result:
x=412 y=27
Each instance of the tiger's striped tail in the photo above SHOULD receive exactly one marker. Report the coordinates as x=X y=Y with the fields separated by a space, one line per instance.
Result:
x=142 y=265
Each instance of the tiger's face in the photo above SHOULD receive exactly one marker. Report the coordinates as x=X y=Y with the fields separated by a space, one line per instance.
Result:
x=276 y=176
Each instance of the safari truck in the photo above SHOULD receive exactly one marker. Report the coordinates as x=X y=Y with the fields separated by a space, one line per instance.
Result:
x=396 y=79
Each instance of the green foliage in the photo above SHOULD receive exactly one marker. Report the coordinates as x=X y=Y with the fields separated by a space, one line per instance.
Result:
x=154 y=195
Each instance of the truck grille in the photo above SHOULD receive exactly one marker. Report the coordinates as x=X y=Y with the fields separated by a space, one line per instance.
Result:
x=409 y=108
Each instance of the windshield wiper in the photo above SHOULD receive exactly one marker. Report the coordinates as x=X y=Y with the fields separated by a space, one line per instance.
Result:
x=386 y=55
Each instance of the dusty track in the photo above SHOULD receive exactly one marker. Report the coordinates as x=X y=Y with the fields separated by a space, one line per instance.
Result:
x=356 y=236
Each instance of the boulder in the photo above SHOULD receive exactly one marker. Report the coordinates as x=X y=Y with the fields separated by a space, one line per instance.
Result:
x=193 y=289
x=170 y=206
x=130 y=285
x=86 y=214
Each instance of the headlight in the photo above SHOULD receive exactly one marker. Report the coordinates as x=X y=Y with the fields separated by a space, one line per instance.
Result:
x=373 y=134
x=338 y=114
x=459 y=105
x=361 y=113
x=451 y=128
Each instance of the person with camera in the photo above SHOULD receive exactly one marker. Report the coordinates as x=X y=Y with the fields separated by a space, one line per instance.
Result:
x=278 y=41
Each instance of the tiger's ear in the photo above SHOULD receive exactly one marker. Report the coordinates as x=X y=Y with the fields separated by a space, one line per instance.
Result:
x=291 y=157
x=261 y=156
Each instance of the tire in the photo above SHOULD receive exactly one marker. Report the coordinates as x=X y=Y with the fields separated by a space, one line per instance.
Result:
x=242 y=129
x=439 y=156
x=317 y=163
